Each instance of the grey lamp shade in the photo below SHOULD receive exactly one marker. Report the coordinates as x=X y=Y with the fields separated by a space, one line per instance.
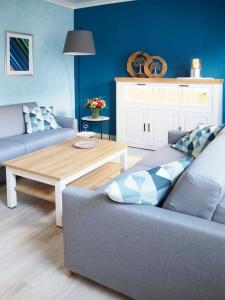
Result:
x=79 y=42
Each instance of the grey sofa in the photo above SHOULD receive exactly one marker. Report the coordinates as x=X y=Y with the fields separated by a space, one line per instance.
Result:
x=146 y=252
x=13 y=140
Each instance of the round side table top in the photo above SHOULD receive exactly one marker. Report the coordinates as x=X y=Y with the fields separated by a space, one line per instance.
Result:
x=99 y=119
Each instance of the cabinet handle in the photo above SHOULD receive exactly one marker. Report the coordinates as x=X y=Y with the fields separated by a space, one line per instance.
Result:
x=141 y=84
x=184 y=85
x=144 y=127
x=149 y=127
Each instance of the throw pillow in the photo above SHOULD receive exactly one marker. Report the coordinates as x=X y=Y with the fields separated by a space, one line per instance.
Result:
x=195 y=141
x=33 y=119
x=148 y=186
x=49 y=118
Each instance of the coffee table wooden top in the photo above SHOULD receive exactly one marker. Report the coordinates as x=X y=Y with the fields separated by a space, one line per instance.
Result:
x=63 y=160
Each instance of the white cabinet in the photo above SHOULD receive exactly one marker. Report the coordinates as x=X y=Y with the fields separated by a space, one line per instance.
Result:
x=148 y=108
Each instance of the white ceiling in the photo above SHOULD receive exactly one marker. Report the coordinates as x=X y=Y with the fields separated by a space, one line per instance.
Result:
x=75 y=4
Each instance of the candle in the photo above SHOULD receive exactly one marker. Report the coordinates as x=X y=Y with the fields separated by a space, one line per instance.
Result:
x=196 y=63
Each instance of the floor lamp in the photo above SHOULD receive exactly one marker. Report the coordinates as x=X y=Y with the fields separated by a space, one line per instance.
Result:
x=79 y=43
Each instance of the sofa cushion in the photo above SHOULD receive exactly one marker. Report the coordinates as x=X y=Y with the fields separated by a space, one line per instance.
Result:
x=200 y=189
x=12 y=120
x=36 y=141
x=34 y=119
x=10 y=150
x=194 y=142
x=147 y=186
x=50 y=121
x=162 y=156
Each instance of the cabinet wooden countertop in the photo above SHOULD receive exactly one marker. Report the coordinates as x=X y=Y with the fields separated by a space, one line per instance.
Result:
x=171 y=80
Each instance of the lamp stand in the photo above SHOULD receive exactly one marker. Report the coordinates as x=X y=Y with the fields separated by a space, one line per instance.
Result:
x=78 y=93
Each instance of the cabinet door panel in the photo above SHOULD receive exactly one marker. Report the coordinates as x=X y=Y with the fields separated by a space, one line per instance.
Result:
x=163 y=121
x=189 y=120
x=133 y=126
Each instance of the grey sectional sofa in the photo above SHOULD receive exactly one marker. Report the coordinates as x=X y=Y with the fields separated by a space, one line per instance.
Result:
x=154 y=253
x=13 y=140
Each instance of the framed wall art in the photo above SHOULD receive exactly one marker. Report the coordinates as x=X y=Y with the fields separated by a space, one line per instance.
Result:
x=19 y=54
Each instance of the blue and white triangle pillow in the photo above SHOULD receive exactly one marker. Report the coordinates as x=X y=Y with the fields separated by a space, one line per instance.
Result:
x=39 y=119
x=147 y=186
x=33 y=119
x=49 y=118
x=194 y=142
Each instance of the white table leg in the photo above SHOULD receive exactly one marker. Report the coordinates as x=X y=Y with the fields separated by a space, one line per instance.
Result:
x=11 y=188
x=123 y=160
x=59 y=187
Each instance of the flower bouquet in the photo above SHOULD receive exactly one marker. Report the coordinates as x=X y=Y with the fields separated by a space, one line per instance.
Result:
x=95 y=104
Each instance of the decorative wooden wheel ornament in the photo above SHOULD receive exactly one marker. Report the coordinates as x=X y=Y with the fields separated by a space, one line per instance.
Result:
x=155 y=67
x=136 y=62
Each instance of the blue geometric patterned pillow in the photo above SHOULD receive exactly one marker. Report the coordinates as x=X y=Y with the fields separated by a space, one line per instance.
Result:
x=33 y=119
x=147 y=187
x=194 y=142
x=49 y=118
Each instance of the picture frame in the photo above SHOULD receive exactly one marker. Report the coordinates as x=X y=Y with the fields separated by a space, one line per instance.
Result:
x=19 y=54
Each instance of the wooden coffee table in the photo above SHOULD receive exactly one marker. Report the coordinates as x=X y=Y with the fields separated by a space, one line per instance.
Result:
x=58 y=166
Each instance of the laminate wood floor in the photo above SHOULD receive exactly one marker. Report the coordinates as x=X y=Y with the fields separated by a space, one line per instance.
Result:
x=31 y=253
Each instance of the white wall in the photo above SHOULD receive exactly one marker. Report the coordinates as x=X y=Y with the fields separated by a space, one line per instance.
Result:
x=53 y=80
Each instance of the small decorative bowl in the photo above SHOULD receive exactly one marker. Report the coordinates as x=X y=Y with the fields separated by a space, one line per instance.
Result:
x=85 y=144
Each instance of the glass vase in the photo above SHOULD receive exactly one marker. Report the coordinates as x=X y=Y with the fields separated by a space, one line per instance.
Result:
x=95 y=113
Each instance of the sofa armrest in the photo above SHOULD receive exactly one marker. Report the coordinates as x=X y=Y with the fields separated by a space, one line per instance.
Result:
x=135 y=248
x=67 y=122
x=175 y=135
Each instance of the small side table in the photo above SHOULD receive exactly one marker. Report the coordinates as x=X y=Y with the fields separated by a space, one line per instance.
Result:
x=100 y=120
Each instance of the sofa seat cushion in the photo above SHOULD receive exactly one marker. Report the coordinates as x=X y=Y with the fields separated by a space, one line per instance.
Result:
x=200 y=189
x=162 y=156
x=10 y=150
x=39 y=140
x=147 y=186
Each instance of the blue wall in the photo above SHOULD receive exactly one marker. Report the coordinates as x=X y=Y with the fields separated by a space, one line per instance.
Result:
x=175 y=30
x=53 y=80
